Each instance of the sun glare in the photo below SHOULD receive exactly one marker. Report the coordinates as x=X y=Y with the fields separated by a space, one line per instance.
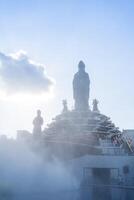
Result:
x=27 y=98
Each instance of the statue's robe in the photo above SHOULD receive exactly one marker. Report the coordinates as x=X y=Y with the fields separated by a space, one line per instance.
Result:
x=81 y=83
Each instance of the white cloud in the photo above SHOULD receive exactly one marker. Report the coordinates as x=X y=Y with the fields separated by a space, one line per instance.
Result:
x=19 y=74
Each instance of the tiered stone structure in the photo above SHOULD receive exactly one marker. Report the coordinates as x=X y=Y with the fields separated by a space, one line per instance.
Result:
x=77 y=132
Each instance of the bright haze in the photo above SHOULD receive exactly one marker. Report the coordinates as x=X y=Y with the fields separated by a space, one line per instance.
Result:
x=41 y=43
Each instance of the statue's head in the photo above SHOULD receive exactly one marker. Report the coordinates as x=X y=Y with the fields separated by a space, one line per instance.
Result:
x=81 y=66
x=39 y=112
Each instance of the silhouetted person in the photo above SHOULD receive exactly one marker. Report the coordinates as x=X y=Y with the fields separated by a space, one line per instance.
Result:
x=81 y=85
x=37 y=122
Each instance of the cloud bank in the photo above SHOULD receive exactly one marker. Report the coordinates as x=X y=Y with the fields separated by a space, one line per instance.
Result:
x=19 y=74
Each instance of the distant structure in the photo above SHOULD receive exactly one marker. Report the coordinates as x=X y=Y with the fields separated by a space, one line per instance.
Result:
x=23 y=135
x=128 y=133
x=37 y=122
x=81 y=87
x=65 y=107
x=95 y=105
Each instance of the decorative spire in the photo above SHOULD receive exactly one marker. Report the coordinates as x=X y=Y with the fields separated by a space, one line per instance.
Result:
x=95 y=105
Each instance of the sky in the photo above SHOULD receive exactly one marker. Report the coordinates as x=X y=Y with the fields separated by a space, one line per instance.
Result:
x=51 y=37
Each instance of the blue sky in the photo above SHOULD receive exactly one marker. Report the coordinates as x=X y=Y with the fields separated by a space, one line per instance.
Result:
x=60 y=33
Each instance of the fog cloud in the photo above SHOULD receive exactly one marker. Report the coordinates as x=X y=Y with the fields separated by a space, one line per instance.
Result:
x=25 y=174
x=19 y=74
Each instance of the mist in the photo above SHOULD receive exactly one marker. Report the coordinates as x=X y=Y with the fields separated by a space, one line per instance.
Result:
x=26 y=174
